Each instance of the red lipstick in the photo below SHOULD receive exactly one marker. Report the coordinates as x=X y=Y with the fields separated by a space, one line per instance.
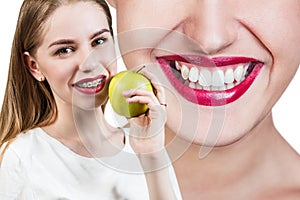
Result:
x=207 y=96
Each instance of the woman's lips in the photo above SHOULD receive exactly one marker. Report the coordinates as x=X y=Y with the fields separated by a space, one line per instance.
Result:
x=90 y=85
x=210 y=82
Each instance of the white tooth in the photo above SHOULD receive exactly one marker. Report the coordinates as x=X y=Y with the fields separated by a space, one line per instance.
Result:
x=229 y=76
x=186 y=83
x=218 y=78
x=185 y=72
x=229 y=86
x=243 y=78
x=246 y=68
x=199 y=87
x=222 y=88
x=218 y=88
x=177 y=65
x=204 y=77
x=89 y=84
x=194 y=74
x=208 y=88
x=192 y=85
x=214 y=88
x=84 y=85
x=238 y=73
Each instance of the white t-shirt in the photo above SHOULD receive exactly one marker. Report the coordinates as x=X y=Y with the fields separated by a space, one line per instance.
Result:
x=37 y=166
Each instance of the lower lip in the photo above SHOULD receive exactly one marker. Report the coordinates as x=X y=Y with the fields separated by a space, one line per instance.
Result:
x=91 y=91
x=210 y=98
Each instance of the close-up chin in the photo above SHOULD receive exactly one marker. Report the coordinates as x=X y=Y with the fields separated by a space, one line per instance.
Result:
x=213 y=81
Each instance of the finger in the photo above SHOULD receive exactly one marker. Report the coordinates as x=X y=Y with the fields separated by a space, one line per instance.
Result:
x=160 y=92
x=138 y=92
x=150 y=102
x=141 y=96
x=144 y=127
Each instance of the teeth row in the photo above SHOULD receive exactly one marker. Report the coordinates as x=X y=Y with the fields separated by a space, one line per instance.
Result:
x=210 y=88
x=213 y=79
x=91 y=84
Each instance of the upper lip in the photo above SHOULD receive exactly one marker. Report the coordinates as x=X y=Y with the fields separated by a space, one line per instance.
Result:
x=204 y=61
x=85 y=80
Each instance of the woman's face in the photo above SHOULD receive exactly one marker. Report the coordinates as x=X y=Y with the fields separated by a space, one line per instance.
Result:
x=224 y=64
x=77 y=55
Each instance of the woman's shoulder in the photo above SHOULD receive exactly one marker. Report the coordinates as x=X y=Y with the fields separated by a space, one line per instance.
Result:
x=19 y=147
x=25 y=137
x=288 y=182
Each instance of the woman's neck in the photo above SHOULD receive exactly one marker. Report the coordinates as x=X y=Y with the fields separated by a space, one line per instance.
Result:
x=86 y=132
x=226 y=168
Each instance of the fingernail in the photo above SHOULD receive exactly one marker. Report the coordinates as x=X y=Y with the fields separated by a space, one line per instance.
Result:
x=125 y=93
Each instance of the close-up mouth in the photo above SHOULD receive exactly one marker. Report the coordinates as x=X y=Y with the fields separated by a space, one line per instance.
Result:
x=210 y=81
x=90 y=85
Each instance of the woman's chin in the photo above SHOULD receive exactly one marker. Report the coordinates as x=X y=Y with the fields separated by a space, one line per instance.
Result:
x=210 y=137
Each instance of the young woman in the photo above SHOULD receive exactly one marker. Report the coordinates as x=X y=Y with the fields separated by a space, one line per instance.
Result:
x=224 y=65
x=55 y=142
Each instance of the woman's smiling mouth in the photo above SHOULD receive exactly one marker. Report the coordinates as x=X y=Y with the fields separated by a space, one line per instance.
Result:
x=210 y=82
x=90 y=85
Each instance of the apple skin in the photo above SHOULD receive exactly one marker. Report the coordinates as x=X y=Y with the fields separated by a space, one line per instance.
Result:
x=123 y=81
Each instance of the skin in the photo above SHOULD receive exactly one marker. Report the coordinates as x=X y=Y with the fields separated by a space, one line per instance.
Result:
x=67 y=55
x=72 y=50
x=239 y=156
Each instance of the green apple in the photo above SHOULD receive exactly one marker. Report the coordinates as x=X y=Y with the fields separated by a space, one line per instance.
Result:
x=123 y=81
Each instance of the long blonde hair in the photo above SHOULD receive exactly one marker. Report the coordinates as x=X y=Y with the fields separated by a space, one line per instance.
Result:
x=28 y=103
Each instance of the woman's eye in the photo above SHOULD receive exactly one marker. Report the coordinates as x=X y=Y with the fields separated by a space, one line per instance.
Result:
x=63 y=51
x=99 y=41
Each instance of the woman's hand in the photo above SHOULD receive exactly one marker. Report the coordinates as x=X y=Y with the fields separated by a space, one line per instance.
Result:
x=147 y=138
x=147 y=131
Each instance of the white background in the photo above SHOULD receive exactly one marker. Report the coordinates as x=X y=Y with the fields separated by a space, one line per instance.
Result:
x=285 y=112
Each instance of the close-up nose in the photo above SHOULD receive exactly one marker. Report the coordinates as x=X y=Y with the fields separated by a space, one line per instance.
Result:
x=88 y=59
x=210 y=24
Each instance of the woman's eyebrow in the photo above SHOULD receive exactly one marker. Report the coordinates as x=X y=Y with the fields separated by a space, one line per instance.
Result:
x=60 y=42
x=99 y=33
x=69 y=41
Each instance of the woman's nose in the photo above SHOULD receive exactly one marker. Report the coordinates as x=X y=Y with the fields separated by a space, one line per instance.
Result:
x=210 y=24
x=88 y=59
